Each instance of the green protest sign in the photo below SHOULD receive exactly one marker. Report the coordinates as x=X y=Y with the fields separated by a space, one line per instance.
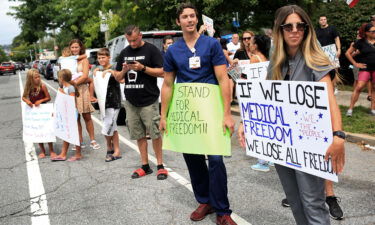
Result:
x=194 y=121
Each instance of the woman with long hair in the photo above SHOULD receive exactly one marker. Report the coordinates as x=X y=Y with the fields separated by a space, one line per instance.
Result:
x=259 y=48
x=83 y=101
x=297 y=56
x=244 y=52
x=365 y=61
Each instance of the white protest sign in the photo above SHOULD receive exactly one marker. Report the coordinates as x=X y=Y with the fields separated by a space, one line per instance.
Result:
x=288 y=123
x=38 y=126
x=210 y=25
x=69 y=63
x=254 y=70
x=331 y=52
x=101 y=84
x=66 y=126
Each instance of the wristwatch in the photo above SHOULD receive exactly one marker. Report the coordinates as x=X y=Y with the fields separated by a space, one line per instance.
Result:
x=144 y=68
x=339 y=134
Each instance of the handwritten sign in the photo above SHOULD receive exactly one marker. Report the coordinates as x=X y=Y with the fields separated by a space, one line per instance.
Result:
x=331 y=52
x=194 y=121
x=210 y=25
x=287 y=123
x=38 y=126
x=66 y=126
x=254 y=70
x=101 y=84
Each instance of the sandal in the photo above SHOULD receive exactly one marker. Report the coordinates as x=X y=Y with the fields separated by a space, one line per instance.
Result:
x=82 y=146
x=94 y=145
x=162 y=174
x=74 y=158
x=140 y=173
x=369 y=98
x=111 y=158
x=58 y=158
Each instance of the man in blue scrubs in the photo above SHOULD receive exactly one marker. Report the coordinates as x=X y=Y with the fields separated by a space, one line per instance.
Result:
x=199 y=59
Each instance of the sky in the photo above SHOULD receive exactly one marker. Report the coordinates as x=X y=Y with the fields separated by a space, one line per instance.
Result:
x=9 y=26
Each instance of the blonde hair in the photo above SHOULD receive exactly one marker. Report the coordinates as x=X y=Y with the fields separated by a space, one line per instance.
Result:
x=66 y=52
x=66 y=75
x=242 y=47
x=29 y=86
x=311 y=50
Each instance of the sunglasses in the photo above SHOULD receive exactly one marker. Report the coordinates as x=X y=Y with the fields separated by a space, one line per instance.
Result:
x=289 y=27
x=371 y=31
x=246 y=38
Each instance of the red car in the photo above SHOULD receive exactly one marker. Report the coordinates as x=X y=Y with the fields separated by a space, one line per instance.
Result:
x=7 y=67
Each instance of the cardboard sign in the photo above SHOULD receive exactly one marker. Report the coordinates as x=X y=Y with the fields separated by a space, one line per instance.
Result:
x=288 y=123
x=254 y=70
x=101 y=85
x=331 y=52
x=210 y=25
x=66 y=126
x=38 y=123
x=194 y=121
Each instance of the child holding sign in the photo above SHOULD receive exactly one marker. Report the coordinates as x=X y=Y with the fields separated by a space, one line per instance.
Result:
x=34 y=94
x=68 y=87
x=112 y=106
x=298 y=57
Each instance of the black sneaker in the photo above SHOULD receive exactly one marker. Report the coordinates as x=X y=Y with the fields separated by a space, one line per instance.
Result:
x=334 y=207
x=285 y=202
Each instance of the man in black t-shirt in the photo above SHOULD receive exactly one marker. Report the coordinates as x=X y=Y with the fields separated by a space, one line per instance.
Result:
x=140 y=64
x=328 y=35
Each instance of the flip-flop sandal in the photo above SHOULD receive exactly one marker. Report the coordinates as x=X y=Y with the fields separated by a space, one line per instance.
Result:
x=74 y=158
x=58 y=158
x=112 y=158
x=162 y=174
x=369 y=98
x=140 y=173
x=94 y=145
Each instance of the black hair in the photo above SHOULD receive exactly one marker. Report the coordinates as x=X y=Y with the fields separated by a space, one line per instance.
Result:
x=182 y=6
x=168 y=37
x=223 y=43
x=264 y=44
x=368 y=27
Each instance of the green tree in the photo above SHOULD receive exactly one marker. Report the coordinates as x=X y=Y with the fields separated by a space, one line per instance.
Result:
x=3 y=55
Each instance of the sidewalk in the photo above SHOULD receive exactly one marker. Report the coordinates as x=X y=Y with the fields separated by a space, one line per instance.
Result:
x=343 y=98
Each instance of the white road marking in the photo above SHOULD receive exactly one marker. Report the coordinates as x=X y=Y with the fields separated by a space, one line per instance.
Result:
x=38 y=199
x=180 y=179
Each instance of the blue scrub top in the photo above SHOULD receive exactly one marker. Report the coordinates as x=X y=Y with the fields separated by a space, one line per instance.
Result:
x=177 y=60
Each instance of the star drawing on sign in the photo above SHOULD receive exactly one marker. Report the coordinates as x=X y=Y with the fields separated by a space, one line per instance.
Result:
x=300 y=137
x=325 y=139
x=296 y=112
x=320 y=115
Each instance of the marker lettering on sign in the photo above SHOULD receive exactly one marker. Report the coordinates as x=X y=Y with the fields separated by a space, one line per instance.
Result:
x=245 y=89
x=316 y=161
x=306 y=95
x=272 y=94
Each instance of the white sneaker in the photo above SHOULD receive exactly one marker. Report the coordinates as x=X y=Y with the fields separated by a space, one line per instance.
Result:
x=336 y=91
x=349 y=112
x=373 y=112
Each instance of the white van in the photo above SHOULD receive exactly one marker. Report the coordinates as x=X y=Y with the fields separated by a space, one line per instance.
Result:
x=117 y=44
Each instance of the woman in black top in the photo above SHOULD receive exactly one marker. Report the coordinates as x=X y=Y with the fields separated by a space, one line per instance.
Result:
x=365 y=61
x=244 y=52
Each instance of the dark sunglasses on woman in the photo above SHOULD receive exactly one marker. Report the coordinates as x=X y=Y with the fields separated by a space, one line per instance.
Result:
x=288 y=27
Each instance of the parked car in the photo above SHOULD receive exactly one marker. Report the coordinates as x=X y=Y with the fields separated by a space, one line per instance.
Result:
x=19 y=66
x=42 y=66
x=35 y=64
x=48 y=68
x=7 y=67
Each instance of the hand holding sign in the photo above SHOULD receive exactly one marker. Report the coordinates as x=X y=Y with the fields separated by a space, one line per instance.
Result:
x=337 y=153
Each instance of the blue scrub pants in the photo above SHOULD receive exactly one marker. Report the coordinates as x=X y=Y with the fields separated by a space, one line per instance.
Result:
x=209 y=184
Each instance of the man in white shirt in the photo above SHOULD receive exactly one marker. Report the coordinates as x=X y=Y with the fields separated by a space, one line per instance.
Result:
x=233 y=45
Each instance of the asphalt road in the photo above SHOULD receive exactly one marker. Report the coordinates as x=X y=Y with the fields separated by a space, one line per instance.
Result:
x=92 y=191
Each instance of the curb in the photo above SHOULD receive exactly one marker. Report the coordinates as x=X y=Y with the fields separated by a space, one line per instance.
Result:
x=350 y=137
